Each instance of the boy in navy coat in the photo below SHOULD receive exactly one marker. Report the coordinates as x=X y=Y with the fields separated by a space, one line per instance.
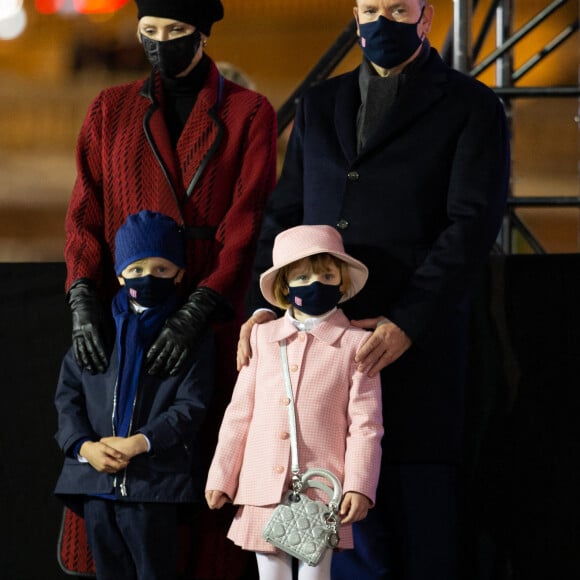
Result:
x=130 y=438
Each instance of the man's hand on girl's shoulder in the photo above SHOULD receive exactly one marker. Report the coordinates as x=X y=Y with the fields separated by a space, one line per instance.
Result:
x=385 y=345
x=244 y=353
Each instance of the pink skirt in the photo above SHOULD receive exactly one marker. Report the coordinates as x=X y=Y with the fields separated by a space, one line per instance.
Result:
x=249 y=521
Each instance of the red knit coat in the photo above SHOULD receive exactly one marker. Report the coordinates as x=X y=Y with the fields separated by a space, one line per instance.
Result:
x=126 y=163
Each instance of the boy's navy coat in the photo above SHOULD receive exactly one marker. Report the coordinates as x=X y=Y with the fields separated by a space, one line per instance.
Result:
x=421 y=206
x=170 y=412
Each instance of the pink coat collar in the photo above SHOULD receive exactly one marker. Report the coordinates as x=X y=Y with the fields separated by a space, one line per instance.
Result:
x=328 y=331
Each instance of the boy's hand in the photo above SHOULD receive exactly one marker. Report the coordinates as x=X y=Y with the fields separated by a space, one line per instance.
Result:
x=102 y=457
x=129 y=447
x=354 y=507
x=216 y=499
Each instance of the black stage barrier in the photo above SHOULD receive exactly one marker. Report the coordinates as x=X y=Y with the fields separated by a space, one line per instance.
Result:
x=522 y=473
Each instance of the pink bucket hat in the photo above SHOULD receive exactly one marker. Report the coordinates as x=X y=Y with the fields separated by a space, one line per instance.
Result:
x=302 y=241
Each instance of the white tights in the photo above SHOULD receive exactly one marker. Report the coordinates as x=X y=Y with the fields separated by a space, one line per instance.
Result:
x=279 y=567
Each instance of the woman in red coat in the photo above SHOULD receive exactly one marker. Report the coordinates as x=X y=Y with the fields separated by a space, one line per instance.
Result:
x=186 y=143
x=189 y=144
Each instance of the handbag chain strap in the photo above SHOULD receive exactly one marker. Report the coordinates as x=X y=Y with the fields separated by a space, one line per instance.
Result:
x=296 y=481
x=332 y=521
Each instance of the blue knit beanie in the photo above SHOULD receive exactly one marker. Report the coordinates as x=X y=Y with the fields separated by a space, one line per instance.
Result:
x=148 y=234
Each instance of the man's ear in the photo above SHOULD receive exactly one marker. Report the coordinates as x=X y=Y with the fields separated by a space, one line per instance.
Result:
x=121 y=280
x=426 y=20
x=355 y=14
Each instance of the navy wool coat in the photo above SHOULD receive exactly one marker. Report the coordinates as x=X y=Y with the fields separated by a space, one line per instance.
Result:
x=169 y=412
x=421 y=206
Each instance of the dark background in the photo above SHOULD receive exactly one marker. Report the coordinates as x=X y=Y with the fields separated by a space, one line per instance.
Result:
x=523 y=446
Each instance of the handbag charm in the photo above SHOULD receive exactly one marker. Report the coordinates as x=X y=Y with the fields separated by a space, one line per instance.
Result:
x=300 y=526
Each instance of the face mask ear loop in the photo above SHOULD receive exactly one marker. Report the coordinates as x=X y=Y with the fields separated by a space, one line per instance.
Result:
x=423 y=35
x=421 y=15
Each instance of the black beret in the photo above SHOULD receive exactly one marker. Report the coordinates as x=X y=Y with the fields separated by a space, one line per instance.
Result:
x=199 y=13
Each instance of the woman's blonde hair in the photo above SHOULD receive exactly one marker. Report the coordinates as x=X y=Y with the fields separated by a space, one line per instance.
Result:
x=318 y=263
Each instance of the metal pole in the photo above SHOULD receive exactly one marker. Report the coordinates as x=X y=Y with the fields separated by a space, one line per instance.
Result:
x=503 y=76
x=503 y=69
x=550 y=202
x=526 y=233
x=462 y=35
x=487 y=23
x=548 y=49
x=539 y=92
x=577 y=121
x=521 y=33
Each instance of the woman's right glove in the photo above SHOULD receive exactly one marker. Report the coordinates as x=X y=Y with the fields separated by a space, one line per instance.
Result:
x=87 y=326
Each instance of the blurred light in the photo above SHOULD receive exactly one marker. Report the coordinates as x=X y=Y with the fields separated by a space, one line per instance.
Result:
x=13 y=26
x=98 y=6
x=79 y=6
x=12 y=19
x=48 y=6
x=9 y=8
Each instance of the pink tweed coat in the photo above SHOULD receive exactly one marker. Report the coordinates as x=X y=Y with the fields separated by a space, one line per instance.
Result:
x=338 y=414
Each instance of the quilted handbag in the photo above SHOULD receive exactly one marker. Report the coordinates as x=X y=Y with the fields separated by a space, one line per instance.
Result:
x=303 y=527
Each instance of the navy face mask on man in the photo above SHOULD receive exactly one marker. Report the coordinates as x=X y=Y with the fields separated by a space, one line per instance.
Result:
x=171 y=57
x=314 y=299
x=388 y=43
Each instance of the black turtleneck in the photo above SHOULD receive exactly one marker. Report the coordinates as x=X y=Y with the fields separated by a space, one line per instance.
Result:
x=180 y=96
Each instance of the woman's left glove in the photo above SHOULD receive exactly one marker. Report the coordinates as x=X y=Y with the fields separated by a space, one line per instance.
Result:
x=183 y=329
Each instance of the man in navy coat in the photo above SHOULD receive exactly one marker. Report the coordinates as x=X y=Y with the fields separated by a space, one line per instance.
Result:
x=409 y=159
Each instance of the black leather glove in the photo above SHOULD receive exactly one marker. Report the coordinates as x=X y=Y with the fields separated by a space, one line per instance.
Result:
x=87 y=326
x=183 y=328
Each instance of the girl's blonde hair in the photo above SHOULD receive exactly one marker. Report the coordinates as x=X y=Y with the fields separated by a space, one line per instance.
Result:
x=318 y=263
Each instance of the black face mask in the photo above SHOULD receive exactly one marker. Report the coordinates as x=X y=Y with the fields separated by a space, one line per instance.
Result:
x=150 y=291
x=171 y=57
x=314 y=299
x=388 y=43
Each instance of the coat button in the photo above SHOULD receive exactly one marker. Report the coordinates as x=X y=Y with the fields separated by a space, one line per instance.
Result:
x=279 y=469
x=342 y=224
x=353 y=175
x=285 y=401
x=294 y=368
x=301 y=337
x=284 y=435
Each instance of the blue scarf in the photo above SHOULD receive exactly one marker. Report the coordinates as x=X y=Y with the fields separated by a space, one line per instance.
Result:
x=135 y=334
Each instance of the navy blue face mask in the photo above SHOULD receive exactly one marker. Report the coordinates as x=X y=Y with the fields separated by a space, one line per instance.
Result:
x=388 y=43
x=171 y=57
x=150 y=291
x=314 y=299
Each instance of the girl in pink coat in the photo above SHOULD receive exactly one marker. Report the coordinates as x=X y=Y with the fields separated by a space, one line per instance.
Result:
x=338 y=408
